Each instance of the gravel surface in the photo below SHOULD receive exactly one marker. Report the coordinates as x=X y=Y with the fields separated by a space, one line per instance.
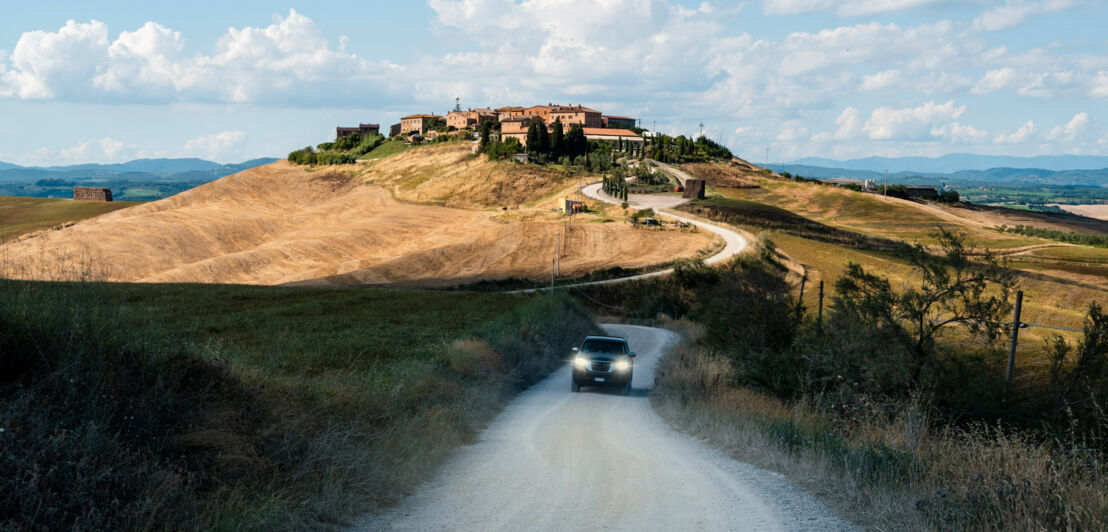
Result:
x=557 y=460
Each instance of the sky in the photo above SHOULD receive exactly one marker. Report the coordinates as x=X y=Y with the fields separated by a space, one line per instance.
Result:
x=774 y=80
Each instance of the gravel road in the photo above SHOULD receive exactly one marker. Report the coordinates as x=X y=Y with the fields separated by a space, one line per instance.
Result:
x=556 y=460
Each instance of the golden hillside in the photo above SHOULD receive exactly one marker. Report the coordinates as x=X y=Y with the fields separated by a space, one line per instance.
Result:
x=281 y=223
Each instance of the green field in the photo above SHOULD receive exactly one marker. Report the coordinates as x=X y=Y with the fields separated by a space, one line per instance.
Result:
x=20 y=215
x=240 y=407
x=387 y=148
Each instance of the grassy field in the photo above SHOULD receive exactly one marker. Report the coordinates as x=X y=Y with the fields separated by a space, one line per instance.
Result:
x=387 y=148
x=886 y=466
x=237 y=407
x=20 y=215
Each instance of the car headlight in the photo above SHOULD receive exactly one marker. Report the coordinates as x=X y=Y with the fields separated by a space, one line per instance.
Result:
x=623 y=365
x=580 y=362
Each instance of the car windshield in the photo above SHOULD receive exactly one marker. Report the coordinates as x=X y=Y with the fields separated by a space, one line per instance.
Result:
x=604 y=346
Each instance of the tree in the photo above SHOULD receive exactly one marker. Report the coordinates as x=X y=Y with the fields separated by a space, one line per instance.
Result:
x=576 y=143
x=486 y=130
x=1078 y=388
x=533 y=136
x=953 y=290
x=558 y=140
x=543 y=146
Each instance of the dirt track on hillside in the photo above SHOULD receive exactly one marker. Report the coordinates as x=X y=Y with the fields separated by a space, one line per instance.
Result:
x=279 y=224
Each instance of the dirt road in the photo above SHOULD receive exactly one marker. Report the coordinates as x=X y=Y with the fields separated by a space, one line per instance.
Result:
x=557 y=460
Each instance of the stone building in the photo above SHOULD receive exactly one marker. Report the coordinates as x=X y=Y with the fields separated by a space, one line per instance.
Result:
x=417 y=123
x=472 y=118
x=694 y=188
x=516 y=128
x=574 y=114
x=362 y=129
x=92 y=194
x=504 y=113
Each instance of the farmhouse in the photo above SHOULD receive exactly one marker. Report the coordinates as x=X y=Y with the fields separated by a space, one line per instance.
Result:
x=516 y=128
x=92 y=194
x=417 y=123
x=575 y=115
x=472 y=118
x=504 y=113
x=362 y=129
x=916 y=192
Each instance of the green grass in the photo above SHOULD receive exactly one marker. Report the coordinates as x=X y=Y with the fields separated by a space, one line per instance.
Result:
x=20 y=215
x=241 y=407
x=1073 y=253
x=387 y=148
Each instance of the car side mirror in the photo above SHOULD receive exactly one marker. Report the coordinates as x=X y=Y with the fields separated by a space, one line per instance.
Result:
x=575 y=349
x=632 y=354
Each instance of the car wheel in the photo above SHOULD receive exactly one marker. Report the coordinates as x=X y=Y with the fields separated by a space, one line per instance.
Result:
x=574 y=387
x=626 y=390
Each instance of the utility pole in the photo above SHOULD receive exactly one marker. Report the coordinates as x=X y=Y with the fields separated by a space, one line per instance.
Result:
x=1012 y=349
x=886 y=191
x=702 y=129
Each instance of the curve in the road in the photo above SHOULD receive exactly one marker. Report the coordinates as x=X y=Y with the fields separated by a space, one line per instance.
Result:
x=557 y=460
x=734 y=243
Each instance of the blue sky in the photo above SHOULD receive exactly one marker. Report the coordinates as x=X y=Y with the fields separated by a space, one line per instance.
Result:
x=229 y=81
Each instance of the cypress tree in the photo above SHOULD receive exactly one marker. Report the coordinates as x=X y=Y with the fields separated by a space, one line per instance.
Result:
x=558 y=140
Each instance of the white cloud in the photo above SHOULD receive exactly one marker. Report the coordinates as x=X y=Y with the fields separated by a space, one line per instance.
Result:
x=287 y=60
x=105 y=150
x=223 y=146
x=881 y=80
x=995 y=80
x=1018 y=136
x=1014 y=12
x=45 y=64
x=913 y=123
x=956 y=132
x=1100 y=85
x=844 y=8
x=1069 y=131
x=849 y=126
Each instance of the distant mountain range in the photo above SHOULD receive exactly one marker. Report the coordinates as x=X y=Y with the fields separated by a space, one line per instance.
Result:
x=955 y=162
x=1068 y=170
x=186 y=169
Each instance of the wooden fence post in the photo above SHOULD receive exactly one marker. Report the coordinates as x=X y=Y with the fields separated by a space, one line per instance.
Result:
x=819 y=319
x=1015 y=342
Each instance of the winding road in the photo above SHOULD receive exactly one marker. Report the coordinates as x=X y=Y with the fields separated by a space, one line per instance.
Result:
x=734 y=243
x=557 y=460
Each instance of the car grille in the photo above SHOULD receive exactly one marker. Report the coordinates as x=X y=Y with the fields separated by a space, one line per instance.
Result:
x=601 y=366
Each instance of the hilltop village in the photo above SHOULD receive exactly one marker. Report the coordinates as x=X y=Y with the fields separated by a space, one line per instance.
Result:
x=509 y=123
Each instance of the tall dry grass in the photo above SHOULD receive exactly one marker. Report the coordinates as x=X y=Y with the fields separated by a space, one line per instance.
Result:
x=889 y=468
x=112 y=417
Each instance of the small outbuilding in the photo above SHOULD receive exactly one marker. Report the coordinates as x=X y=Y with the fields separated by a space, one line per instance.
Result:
x=92 y=194
x=694 y=188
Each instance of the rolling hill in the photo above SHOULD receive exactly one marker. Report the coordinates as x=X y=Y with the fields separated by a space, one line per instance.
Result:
x=381 y=222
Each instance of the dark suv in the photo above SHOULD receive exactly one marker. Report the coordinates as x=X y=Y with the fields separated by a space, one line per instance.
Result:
x=603 y=361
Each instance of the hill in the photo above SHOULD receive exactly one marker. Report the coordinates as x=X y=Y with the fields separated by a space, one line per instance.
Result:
x=824 y=227
x=281 y=223
x=19 y=216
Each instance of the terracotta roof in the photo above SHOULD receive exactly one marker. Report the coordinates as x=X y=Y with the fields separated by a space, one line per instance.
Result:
x=609 y=132
x=619 y=117
x=509 y=108
x=420 y=116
